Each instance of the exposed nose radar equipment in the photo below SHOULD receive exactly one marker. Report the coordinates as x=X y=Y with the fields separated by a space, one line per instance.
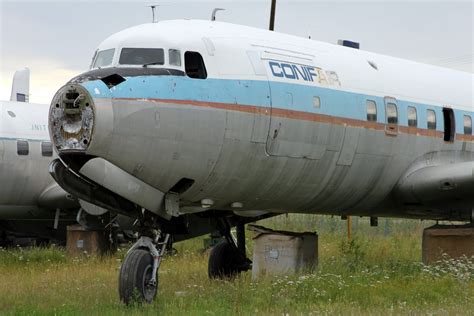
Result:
x=71 y=118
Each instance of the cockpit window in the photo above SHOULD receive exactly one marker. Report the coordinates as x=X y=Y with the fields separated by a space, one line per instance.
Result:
x=104 y=58
x=175 y=57
x=194 y=65
x=142 y=56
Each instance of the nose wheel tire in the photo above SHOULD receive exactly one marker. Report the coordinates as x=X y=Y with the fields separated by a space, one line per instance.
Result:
x=134 y=278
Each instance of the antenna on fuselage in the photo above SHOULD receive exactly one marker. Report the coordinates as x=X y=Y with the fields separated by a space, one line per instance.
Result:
x=272 y=15
x=213 y=16
x=153 y=7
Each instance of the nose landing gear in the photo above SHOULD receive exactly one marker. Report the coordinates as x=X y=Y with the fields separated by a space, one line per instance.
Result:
x=138 y=278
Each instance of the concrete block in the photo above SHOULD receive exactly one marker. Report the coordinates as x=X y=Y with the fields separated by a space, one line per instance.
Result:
x=284 y=253
x=452 y=240
x=81 y=241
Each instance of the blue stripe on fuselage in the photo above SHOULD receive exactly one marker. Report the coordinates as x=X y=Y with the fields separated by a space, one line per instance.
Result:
x=336 y=103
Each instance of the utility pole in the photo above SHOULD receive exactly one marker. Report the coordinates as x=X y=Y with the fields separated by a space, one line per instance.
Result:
x=349 y=227
x=272 y=16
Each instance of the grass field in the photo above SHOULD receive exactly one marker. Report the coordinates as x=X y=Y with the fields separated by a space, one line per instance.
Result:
x=378 y=272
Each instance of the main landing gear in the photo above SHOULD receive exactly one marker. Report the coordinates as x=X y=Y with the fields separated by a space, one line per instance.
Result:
x=138 y=278
x=228 y=258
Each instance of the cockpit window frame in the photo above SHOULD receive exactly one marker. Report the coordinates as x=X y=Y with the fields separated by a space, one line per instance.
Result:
x=194 y=65
x=93 y=59
x=96 y=57
x=173 y=53
x=159 y=63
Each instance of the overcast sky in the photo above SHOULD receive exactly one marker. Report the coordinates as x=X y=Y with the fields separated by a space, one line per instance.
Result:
x=56 y=39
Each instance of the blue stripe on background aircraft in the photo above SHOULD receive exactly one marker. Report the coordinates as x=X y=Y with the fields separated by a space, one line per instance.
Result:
x=195 y=126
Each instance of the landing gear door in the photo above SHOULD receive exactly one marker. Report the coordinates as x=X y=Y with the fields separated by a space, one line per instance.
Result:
x=391 y=116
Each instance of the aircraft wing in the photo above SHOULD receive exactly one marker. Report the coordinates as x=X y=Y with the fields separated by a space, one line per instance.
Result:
x=448 y=187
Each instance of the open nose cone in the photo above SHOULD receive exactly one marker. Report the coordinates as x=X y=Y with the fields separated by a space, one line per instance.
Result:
x=71 y=119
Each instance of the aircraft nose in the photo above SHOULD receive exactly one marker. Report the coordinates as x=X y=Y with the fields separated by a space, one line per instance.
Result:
x=71 y=118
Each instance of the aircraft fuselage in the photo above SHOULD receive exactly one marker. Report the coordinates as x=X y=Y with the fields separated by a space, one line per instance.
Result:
x=314 y=129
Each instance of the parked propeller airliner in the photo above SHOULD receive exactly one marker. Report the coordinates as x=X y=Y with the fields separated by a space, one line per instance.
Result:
x=194 y=126
x=32 y=205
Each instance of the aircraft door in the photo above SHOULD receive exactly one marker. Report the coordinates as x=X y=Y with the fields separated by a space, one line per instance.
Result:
x=293 y=132
x=261 y=119
x=391 y=116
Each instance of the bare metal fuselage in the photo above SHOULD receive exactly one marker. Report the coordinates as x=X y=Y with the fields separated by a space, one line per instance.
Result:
x=268 y=158
x=240 y=119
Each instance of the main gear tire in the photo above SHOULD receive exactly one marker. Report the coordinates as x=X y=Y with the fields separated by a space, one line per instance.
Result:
x=224 y=261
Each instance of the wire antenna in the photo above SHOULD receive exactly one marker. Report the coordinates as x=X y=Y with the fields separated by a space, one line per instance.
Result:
x=213 y=16
x=153 y=7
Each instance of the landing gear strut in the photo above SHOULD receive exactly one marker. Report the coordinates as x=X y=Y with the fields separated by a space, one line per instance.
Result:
x=228 y=259
x=138 y=279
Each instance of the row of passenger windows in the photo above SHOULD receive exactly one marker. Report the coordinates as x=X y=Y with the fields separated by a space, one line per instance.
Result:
x=392 y=116
x=23 y=148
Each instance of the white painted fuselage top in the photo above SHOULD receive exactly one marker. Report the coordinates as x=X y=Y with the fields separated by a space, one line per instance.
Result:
x=236 y=52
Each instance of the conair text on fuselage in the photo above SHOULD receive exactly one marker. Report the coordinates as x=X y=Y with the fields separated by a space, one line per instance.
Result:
x=303 y=73
x=292 y=71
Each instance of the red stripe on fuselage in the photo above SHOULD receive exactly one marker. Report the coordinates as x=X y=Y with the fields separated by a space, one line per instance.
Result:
x=305 y=116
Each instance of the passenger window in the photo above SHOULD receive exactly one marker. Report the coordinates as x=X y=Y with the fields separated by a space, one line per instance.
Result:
x=22 y=147
x=467 y=125
x=316 y=102
x=431 y=119
x=104 y=58
x=412 y=117
x=46 y=149
x=392 y=113
x=175 y=57
x=194 y=65
x=371 y=111
x=142 y=56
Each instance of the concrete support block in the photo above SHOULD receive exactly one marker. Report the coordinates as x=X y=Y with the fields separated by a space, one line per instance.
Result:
x=81 y=241
x=284 y=253
x=452 y=240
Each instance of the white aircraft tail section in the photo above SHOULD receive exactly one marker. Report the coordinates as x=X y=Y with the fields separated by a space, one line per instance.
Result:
x=21 y=86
